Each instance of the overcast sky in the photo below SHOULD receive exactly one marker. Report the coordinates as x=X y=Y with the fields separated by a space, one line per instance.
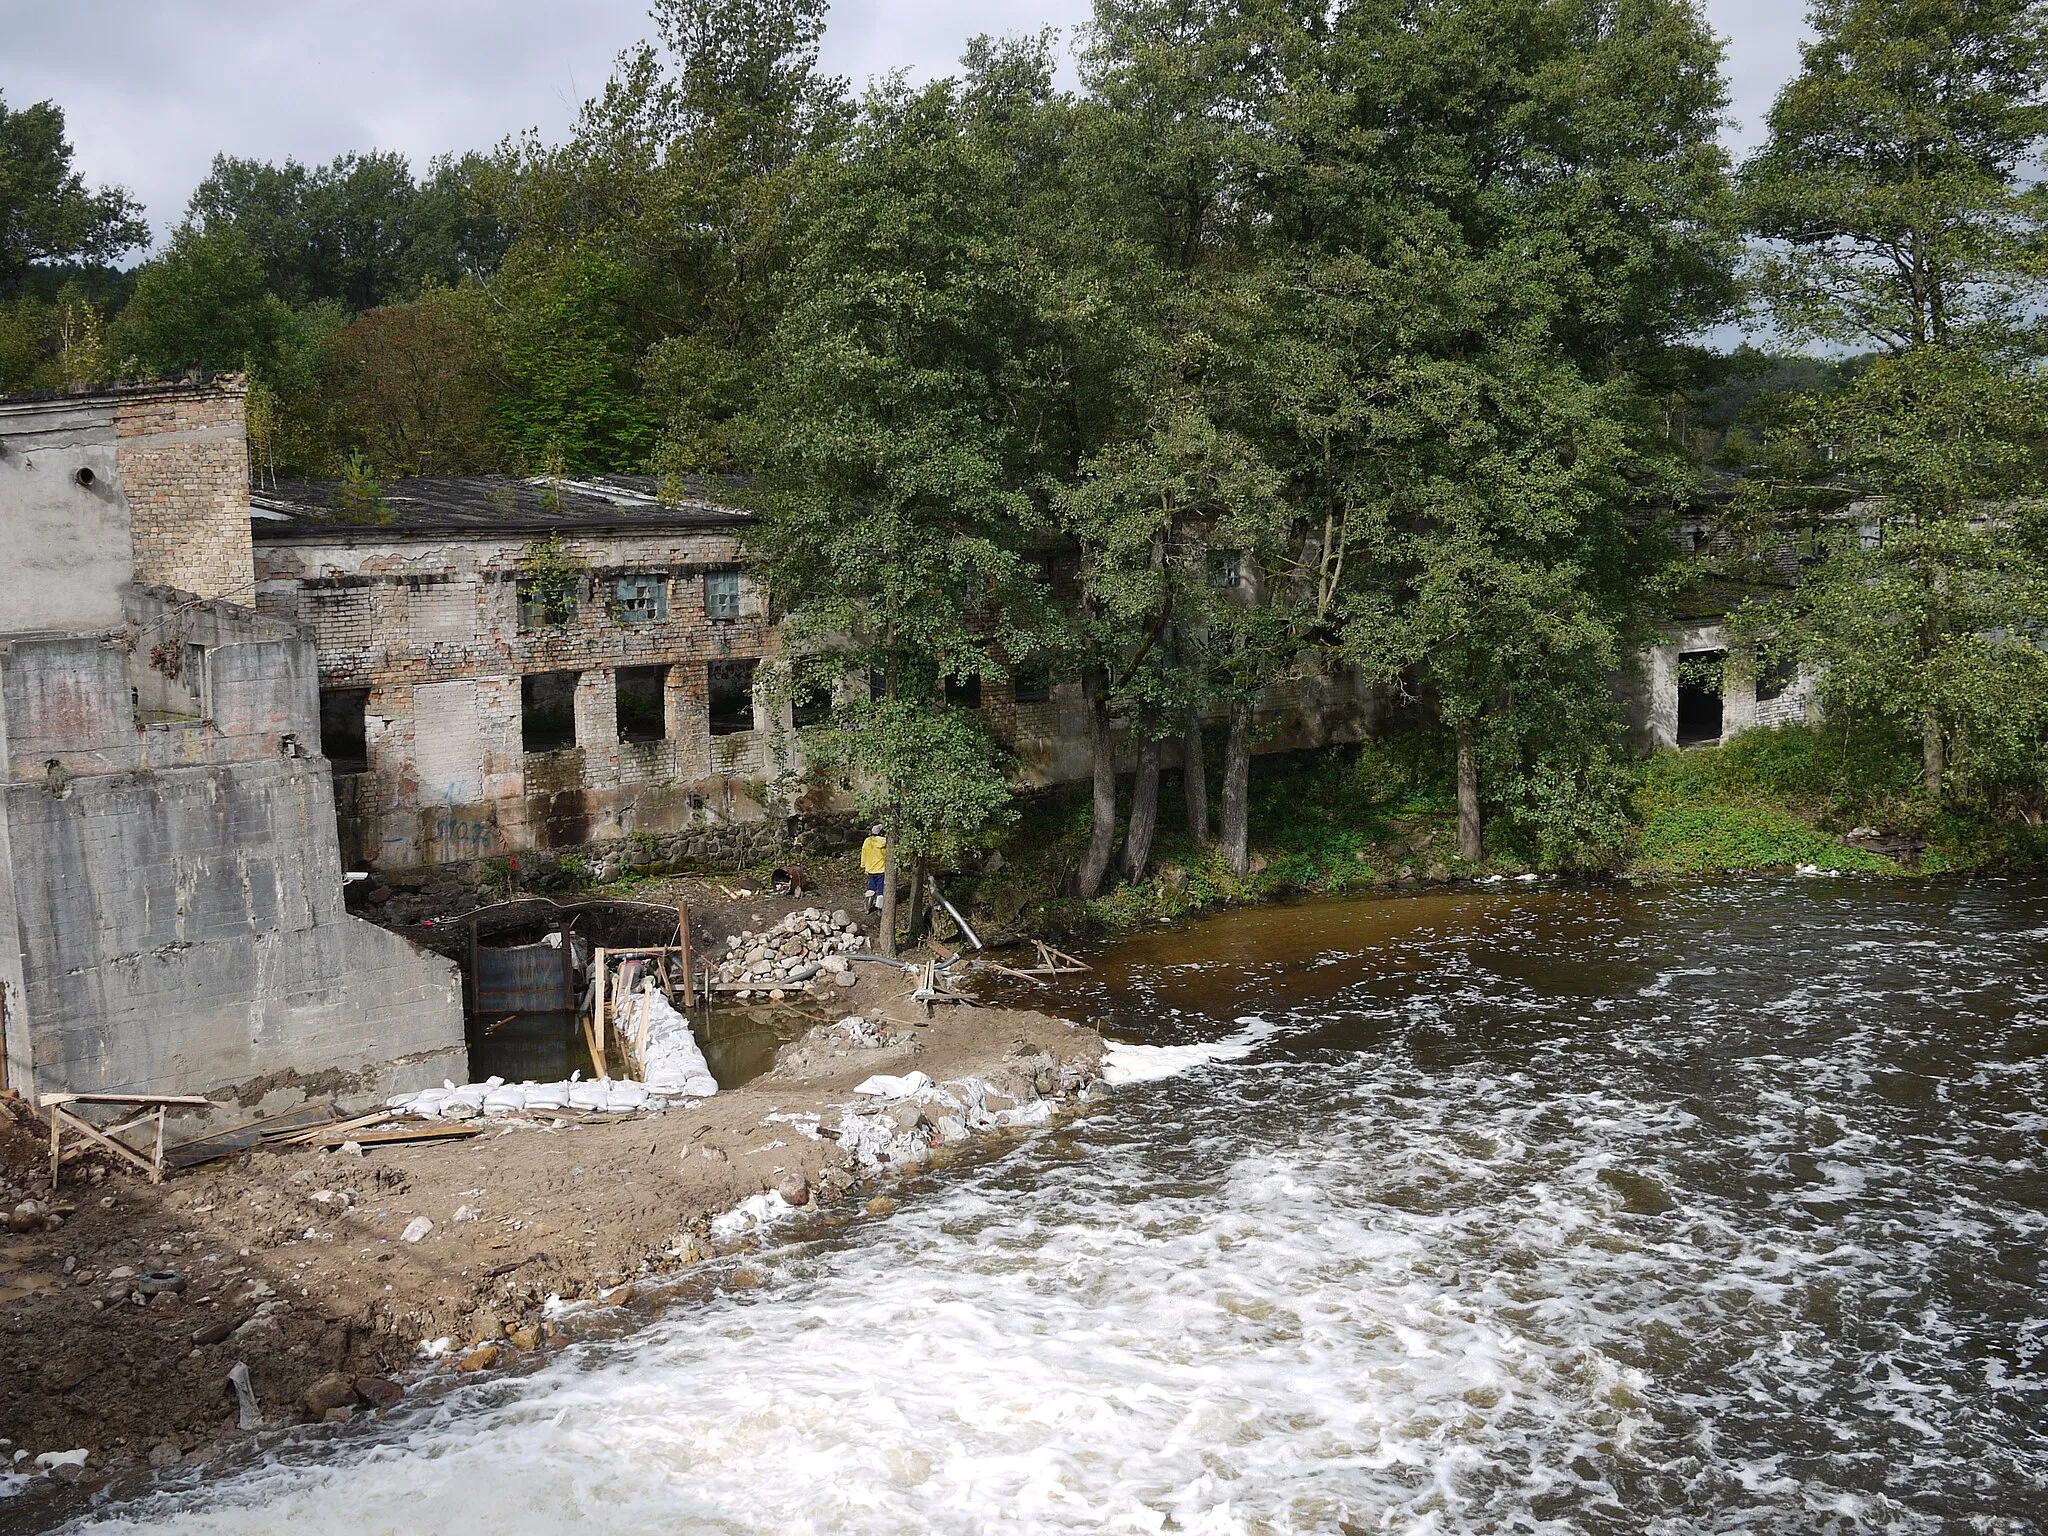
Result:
x=153 y=89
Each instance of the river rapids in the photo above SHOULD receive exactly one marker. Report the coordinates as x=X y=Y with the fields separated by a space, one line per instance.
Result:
x=1528 y=1210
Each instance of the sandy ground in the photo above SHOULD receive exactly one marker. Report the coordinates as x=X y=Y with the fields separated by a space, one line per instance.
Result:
x=295 y=1264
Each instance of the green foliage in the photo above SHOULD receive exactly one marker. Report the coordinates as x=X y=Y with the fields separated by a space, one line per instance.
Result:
x=550 y=582
x=1733 y=836
x=46 y=213
x=1927 y=492
x=360 y=497
x=206 y=304
x=410 y=386
x=936 y=770
x=567 y=364
x=1895 y=186
x=359 y=232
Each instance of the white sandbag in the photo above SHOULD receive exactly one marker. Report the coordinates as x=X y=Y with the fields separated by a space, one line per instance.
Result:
x=882 y=1086
x=674 y=1065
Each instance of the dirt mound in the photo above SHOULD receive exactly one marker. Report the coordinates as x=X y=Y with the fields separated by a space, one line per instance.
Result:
x=24 y=1143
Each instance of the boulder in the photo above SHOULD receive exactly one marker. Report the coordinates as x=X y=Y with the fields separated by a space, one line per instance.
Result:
x=334 y=1391
x=378 y=1391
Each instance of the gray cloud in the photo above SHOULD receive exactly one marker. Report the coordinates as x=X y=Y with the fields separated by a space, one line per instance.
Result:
x=153 y=89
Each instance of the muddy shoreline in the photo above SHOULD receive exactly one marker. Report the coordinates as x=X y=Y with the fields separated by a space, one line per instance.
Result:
x=297 y=1264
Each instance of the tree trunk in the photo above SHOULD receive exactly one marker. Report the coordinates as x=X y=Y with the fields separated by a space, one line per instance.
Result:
x=886 y=937
x=915 y=927
x=1144 y=812
x=1932 y=756
x=1102 y=754
x=1471 y=845
x=1194 y=778
x=1237 y=776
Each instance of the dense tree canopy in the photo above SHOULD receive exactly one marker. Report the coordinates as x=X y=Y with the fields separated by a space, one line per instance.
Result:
x=1296 y=339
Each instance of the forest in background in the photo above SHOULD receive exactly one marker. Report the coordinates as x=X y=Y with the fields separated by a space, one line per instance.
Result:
x=1296 y=336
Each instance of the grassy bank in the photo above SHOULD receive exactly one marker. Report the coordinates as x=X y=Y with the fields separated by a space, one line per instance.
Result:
x=1383 y=814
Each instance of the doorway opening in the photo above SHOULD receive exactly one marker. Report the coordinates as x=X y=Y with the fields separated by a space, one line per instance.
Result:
x=1699 y=697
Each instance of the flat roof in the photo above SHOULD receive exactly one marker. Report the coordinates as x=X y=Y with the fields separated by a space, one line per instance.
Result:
x=455 y=505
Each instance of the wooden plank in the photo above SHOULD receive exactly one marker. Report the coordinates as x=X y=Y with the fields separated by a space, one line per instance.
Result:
x=424 y=1133
x=329 y=1127
x=88 y=1129
x=598 y=1024
x=175 y=1100
x=56 y=1145
x=646 y=1024
x=1004 y=970
x=683 y=933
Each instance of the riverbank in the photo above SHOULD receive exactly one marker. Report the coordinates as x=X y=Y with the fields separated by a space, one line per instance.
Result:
x=326 y=1272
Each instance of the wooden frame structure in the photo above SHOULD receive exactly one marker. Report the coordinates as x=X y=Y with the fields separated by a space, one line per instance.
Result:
x=153 y=1106
x=598 y=1023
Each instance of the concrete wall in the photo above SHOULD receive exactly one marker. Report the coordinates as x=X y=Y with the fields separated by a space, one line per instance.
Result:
x=182 y=932
x=171 y=889
x=68 y=548
x=430 y=625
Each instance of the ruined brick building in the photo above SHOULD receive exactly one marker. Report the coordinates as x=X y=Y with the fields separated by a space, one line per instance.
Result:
x=508 y=665
x=170 y=885
x=471 y=714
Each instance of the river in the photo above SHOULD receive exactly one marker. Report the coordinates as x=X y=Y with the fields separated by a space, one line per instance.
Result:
x=1533 y=1209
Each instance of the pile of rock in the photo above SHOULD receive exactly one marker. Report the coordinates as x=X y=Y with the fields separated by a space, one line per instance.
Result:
x=806 y=950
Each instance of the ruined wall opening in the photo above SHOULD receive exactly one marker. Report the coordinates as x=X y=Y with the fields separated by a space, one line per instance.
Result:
x=964 y=692
x=810 y=704
x=1775 y=678
x=547 y=711
x=639 y=599
x=641 y=716
x=1699 y=696
x=731 y=686
x=722 y=595
x=344 y=733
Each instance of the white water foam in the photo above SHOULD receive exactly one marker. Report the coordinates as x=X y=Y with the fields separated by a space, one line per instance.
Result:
x=1130 y=1063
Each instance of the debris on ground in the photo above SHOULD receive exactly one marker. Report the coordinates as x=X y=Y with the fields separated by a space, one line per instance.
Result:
x=807 y=949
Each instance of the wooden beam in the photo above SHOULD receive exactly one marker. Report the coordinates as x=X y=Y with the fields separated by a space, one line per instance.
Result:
x=62 y=1116
x=683 y=933
x=598 y=1023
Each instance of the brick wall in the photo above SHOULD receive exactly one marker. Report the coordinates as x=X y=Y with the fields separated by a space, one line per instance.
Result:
x=183 y=461
x=414 y=619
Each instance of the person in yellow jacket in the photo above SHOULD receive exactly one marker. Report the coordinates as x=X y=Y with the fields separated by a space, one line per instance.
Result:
x=874 y=863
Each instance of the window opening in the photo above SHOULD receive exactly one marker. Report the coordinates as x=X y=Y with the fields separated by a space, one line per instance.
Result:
x=639 y=599
x=642 y=715
x=1226 y=570
x=810 y=704
x=722 y=595
x=731 y=686
x=1776 y=679
x=344 y=735
x=1034 y=684
x=546 y=604
x=547 y=711
x=1699 y=696
x=964 y=692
